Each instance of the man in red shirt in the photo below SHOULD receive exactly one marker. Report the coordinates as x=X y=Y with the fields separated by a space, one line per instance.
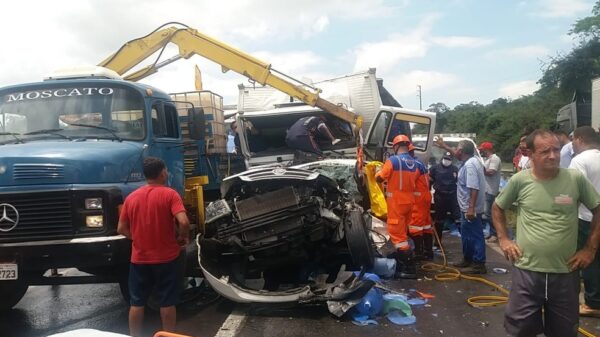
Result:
x=148 y=219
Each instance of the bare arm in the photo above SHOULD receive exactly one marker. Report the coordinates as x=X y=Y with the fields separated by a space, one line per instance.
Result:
x=585 y=256
x=512 y=252
x=439 y=142
x=490 y=172
x=184 y=228
x=472 y=200
x=124 y=229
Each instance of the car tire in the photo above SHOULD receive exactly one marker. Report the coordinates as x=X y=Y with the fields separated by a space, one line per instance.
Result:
x=11 y=292
x=357 y=239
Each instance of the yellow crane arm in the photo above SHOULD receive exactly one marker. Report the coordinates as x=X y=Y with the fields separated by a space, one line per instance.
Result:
x=191 y=42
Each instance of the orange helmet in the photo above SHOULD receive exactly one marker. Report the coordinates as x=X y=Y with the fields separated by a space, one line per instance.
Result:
x=411 y=147
x=400 y=139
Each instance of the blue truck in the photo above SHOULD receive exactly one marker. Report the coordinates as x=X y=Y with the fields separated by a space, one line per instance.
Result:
x=70 y=152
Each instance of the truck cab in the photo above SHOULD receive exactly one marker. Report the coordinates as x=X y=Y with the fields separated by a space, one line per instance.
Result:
x=268 y=145
x=71 y=151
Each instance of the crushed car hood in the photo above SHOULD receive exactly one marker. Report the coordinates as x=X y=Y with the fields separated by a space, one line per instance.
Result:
x=272 y=175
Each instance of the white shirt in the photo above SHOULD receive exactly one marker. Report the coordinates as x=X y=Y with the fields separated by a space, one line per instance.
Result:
x=588 y=162
x=492 y=183
x=524 y=162
x=566 y=154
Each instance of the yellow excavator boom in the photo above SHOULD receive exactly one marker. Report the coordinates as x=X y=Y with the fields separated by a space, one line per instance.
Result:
x=191 y=42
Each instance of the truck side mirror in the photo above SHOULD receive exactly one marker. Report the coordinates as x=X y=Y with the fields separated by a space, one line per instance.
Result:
x=196 y=123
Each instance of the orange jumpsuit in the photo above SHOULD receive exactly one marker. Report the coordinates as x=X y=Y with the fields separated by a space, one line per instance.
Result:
x=401 y=173
x=421 y=214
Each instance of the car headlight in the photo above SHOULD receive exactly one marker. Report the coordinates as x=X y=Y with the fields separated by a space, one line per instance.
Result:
x=93 y=203
x=94 y=221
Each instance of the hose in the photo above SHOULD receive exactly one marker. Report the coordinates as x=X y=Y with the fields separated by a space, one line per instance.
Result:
x=446 y=273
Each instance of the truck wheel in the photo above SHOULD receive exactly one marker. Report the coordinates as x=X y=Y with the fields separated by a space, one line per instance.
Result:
x=357 y=238
x=11 y=293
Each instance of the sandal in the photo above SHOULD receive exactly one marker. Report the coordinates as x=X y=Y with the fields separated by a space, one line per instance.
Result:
x=586 y=311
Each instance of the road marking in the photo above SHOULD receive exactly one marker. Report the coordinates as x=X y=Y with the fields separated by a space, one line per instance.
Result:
x=232 y=324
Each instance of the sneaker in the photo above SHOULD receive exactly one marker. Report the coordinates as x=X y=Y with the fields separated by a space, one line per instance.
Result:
x=335 y=141
x=462 y=264
x=474 y=268
x=492 y=239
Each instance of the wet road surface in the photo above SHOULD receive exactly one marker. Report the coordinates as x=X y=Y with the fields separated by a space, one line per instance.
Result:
x=51 y=309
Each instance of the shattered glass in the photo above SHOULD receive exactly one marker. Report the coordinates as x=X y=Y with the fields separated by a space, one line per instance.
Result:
x=344 y=176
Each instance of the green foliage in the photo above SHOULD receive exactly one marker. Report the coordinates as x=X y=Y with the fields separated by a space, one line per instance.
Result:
x=502 y=122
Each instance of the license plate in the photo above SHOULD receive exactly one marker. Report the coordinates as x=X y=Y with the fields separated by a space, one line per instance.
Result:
x=8 y=271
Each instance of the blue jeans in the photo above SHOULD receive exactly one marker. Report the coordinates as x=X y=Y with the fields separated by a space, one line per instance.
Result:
x=473 y=242
x=489 y=201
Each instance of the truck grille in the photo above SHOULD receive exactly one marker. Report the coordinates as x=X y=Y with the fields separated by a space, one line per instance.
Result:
x=38 y=171
x=41 y=216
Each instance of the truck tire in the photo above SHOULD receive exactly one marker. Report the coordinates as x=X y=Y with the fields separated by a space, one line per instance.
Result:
x=11 y=292
x=357 y=238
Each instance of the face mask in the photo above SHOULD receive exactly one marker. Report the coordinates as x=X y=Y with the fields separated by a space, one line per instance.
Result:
x=446 y=162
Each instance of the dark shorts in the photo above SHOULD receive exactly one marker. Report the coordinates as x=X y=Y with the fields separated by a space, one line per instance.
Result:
x=162 y=278
x=557 y=294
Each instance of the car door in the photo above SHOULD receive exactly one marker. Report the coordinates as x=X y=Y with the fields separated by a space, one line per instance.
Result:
x=392 y=121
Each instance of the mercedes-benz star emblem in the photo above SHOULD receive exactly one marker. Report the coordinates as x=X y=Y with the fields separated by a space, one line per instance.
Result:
x=9 y=217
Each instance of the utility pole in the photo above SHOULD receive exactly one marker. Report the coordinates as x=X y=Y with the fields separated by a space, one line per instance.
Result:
x=420 y=97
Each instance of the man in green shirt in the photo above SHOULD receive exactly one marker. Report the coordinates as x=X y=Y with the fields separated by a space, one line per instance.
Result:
x=544 y=255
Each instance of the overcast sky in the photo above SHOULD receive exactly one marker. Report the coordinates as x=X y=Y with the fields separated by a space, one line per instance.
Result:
x=457 y=50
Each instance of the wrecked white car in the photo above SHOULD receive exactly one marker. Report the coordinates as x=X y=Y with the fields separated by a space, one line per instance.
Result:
x=284 y=235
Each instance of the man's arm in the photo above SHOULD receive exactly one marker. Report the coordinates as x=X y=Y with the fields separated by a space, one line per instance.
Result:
x=472 y=200
x=585 y=256
x=494 y=167
x=124 y=229
x=184 y=228
x=512 y=252
x=439 y=142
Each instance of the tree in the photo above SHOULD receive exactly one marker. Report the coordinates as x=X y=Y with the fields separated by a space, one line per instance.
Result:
x=588 y=28
x=574 y=71
x=440 y=109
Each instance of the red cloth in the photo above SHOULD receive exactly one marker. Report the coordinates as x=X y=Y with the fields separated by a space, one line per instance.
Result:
x=150 y=211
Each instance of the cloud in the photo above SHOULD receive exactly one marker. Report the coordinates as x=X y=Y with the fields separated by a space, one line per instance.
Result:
x=406 y=84
x=292 y=62
x=561 y=8
x=386 y=54
x=524 y=52
x=461 y=41
x=517 y=89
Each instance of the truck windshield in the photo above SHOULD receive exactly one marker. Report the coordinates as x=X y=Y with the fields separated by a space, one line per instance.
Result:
x=71 y=112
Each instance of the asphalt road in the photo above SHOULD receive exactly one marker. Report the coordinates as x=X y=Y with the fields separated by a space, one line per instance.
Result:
x=52 y=309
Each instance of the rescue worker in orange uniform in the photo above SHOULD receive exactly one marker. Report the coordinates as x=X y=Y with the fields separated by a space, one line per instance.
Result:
x=419 y=227
x=401 y=173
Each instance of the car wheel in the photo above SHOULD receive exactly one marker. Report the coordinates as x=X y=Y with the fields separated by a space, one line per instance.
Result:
x=11 y=292
x=357 y=238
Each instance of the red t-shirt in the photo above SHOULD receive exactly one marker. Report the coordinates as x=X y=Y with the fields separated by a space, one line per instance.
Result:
x=150 y=211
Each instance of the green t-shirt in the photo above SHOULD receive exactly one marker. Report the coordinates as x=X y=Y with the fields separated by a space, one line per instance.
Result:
x=547 y=217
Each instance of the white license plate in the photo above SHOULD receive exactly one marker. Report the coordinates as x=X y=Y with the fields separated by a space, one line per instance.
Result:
x=8 y=271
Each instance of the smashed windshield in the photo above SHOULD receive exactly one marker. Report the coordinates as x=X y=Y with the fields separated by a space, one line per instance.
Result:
x=71 y=112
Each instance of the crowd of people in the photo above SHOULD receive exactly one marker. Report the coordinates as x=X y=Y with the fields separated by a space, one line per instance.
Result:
x=557 y=234
x=555 y=192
